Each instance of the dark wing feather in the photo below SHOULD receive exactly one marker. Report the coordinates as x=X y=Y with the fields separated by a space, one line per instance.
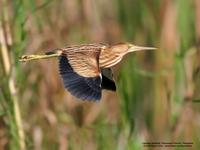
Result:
x=85 y=88
x=108 y=82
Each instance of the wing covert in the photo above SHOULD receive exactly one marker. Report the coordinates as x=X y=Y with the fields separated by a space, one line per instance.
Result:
x=85 y=60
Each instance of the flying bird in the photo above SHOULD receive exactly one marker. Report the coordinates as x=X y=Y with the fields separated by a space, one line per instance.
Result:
x=86 y=69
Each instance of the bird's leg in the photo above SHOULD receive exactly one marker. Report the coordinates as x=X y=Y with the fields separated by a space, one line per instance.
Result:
x=25 y=58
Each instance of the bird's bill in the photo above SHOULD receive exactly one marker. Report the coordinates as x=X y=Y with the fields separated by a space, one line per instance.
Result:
x=133 y=48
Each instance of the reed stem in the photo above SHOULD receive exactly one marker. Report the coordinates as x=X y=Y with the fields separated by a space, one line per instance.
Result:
x=4 y=34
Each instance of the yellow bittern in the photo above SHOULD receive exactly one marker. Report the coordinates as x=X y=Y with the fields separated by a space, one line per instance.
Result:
x=85 y=69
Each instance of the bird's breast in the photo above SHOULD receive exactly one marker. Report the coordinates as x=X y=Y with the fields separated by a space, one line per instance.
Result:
x=109 y=59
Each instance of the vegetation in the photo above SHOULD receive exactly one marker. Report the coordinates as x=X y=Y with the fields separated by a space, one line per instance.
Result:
x=158 y=96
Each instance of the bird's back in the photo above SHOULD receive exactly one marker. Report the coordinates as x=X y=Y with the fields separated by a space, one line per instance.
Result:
x=83 y=48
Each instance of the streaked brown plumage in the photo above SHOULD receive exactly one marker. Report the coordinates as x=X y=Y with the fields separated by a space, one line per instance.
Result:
x=81 y=66
x=84 y=59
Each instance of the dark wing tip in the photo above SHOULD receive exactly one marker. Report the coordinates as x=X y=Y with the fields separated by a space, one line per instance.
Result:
x=107 y=79
x=108 y=84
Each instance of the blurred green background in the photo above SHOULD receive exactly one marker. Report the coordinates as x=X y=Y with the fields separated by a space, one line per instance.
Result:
x=157 y=98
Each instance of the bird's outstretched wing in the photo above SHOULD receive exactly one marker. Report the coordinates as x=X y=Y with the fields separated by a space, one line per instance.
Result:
x=85 y=88
x=81 y=74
